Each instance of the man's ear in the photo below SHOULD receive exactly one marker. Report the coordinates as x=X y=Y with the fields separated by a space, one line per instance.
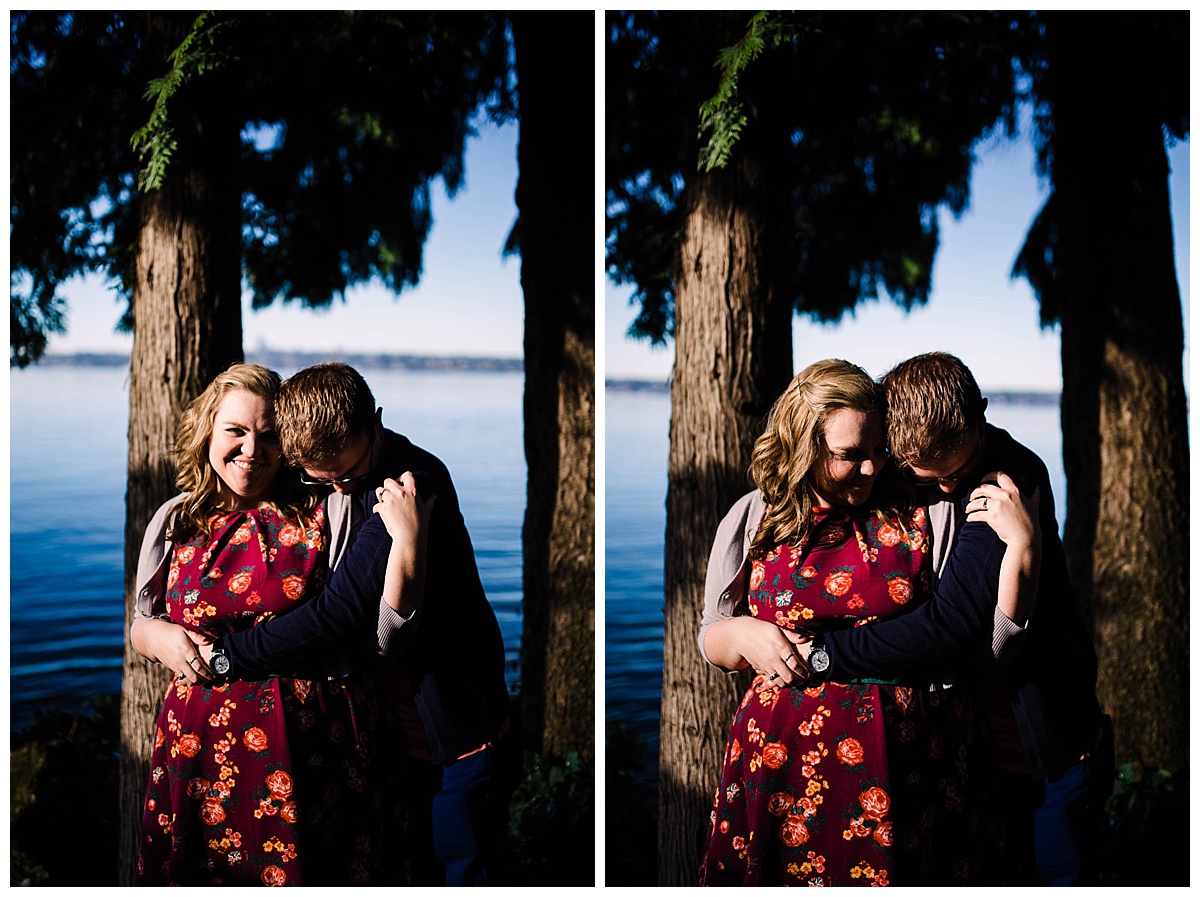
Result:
x=379 y=418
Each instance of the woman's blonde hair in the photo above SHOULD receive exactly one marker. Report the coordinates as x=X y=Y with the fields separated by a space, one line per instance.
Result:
x=786 y=462
x=194 y=472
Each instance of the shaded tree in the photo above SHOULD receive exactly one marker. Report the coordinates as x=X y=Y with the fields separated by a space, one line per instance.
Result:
x=856 y=128
x=557 y=276
x=1100 y=258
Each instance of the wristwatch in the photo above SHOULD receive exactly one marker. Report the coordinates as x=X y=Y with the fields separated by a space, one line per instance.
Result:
x=818 y=657
x=219 y=661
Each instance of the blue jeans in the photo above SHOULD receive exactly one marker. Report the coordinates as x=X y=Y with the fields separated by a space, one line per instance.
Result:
x=460 y=815
x=1055 y=826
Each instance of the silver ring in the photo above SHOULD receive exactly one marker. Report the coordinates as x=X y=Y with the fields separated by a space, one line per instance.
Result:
x=772 y=677
x=788 y=660
x=193 y=657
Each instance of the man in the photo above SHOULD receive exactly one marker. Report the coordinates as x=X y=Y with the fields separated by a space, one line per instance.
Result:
x=445 y=697
x=1051 y=742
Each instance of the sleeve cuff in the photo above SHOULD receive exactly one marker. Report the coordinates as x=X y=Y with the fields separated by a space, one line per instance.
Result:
x=1007 y=637
x=394 y=630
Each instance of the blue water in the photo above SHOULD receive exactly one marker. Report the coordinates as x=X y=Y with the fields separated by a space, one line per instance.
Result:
x=635 y=529
x=68 y=457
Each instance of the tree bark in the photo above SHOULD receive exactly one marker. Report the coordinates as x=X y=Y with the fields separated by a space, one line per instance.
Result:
x=556 y=236
x=187 y=328
x=733 y=355
x=1124 y=408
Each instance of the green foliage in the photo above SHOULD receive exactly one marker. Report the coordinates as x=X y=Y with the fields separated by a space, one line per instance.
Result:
x=196 y=55
x=863 y=124
x=1148 y=825
x=367 y=109
x=63 y=802
x=552 y=823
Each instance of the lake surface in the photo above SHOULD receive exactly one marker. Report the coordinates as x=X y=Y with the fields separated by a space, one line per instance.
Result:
x=68 y=460
x=635 y=529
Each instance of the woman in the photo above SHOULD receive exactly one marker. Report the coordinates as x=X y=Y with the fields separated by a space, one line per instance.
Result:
x=260 y=782
x=836 y=784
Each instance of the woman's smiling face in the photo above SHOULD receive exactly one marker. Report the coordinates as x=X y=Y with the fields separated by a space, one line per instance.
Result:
x=852 y=457
x=244 y=449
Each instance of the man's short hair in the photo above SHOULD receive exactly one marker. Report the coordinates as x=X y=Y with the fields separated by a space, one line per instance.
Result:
x=934 y=405
x=319 y=410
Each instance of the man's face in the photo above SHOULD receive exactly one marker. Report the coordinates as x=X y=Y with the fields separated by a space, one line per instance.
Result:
x=963 y=462
x=346 y=470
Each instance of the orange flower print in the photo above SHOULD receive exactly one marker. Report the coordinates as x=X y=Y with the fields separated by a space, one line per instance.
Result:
x=172 y=577
x=900 y=590
x=724 y=827
x=875 y=803
x=775 y=754
x=255 y=739
x=780 y=803
x=189 y=745
x=809 y=572
x=793 y=832
x=186 y=554
x=735 y=751
x=858 y=829
x=890 y=535
x=850 y=751
x=240 y=581
x=917 y=541
x=757 y=574
x=838 y=582
x=211 y=811
x=293 y=587
x=918 y=518
x=197 y=787
x=273 y=877
x=883 y=834
x=288 y=813
x=279 y=783
x=739 y=843
x=290 y=535
x=242 y=535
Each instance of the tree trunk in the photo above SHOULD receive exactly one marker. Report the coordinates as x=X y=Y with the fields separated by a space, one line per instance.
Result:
x=733 y=355
x=1124 y=411
x=557 y=245
x=187 y=328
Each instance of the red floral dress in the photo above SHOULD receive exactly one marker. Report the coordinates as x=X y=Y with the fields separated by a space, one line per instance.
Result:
x=854 y=784
x=265 y=782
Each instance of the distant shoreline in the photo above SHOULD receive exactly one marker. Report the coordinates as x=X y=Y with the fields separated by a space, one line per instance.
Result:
x=275 y=358
x=1003 y=397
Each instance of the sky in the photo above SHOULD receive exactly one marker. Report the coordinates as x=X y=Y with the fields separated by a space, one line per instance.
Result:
x=975 y=310
x=468 y=301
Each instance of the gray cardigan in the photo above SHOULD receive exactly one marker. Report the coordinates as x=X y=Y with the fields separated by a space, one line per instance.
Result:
x=725 y=585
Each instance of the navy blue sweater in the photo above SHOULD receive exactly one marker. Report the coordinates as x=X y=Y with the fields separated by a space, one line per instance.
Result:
x=455 y=660
x=1051 y=680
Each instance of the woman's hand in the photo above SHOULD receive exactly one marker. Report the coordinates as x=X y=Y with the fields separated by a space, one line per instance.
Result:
x=404 y=513
x=1002 y=507
x=175 y=647
x=1016 y=522
x=741 y=642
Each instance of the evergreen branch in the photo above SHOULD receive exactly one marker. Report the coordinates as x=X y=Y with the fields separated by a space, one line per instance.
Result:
x=195 y=56
x=722 y=116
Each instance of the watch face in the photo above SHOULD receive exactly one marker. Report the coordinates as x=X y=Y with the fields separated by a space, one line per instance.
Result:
x=818 y=660
x=219 y=664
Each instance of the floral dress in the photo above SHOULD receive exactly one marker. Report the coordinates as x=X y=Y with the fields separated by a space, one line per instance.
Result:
x=843 y=784
x=264 y=782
